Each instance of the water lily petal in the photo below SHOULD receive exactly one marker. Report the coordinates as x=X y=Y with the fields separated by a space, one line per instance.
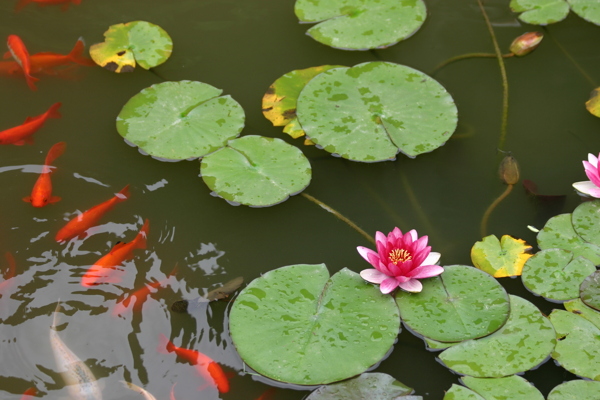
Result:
x=432 y=258
x=592 y=173
x=365 y=253
x=412 y=285
x=388 y=285
x=413 y=234
x=426 y=271
x=373 y=276
x=593 y=159
x=587 y=187
x=420 y=244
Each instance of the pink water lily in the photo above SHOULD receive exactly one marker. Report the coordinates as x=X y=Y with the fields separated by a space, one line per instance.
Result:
x=400 y=261
x=591 y=187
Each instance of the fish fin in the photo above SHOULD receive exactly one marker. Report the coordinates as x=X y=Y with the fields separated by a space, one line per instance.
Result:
x=55 y=151
x=56 y=310
x=54 y=199
x=164 y=345
x=28 y=119
x=140 y=239
x=22 y=142
x=123 y=194
x=76 y=54
x=30 y=81
x=27 y=199
x=21 y=4
x=53 y=110
x=7 y=55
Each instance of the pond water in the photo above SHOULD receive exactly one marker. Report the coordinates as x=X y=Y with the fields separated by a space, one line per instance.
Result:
x=242 y=46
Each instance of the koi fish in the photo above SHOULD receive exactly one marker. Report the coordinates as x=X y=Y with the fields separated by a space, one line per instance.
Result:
x=47 y=60
x=104 y=269
x=19 y=135
x=11 y=272
x=206 y=367
x=147 y=395
x=29 y=393
x=78 y=226
x=22 y=3
x=19 y=52
x=81 y=383
x=42 y=190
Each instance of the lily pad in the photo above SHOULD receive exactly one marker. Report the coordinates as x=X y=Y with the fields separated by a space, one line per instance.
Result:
x=500 y=258
x=540 y=12
x=458 y=392
x=559 y=233
x=578 y=348
x=578 y=307
x=576 y=390
x=296 y=324
x=448 y=309
x=372 y=386
x=361 y=24
x=279 y=103
x=435 y=345
x=373 y=110
x=180 y=120
x=586 y=9
x=510 y=387
x=556 y=274
x=125 y=44
x=593 y=104
x=256 y=171
x=586 y=220
x=525 y=341
x=590 y=290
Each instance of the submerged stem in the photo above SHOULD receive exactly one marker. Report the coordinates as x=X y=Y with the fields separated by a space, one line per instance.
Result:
x=340 y=216
x=570 y=58
x=491 y=208
x=468 y=55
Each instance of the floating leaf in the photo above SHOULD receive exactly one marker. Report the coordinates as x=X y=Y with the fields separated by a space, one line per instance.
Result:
x=372 y=386
x=590 y=290
x=125 y=44
x=256 y=171
x=540 y=12
x=511 y=387
x=458 y=392
x=578 y=307
x=556 y=274
x=559 y=233
x=586 y=9
x=279 y=103
x=296 y=324
x=593 y=104
x=578 y=348
x=524 y=342
x=373 y=110
x=449 y=310
x=586 y=220
x=500 y=258
x=576 y=390
x=180 y=120
x=361 y=24
x=435 y=345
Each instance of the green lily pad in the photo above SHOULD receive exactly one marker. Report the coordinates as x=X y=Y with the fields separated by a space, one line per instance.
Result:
x=578 y=307
x=540 y=12
x=125 y=44
x=586 y=220
x=373 y=110
x=435 y=345
x=524 y=342
x=556 y=274
x=449 y=310
x=578 y=349
x=590 y=290
x=458 y=392
x=372 y=386
x=256 y=171
x=361 y=24
x=180 y=120
x=510 y=387
x=296 y=324
x=559 y=233
x=500 y=258
x=576 y=390
x=586 y=9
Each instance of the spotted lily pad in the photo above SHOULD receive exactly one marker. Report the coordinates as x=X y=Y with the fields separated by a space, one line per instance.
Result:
x=524 y=342
x=556 y=274
x=500 y=258
x=586 y=220
x=449 y=310
x=559 y=233
x=256 y=171
x=576 y=390
x=590 y=290
x=373 y=110
x=540 y=12
x=578 y=307
x=296 y=324
x=125 y=44
x=361 y=24
x=510 y=387
x=458 y=392
x=372 y=386
x=586 y=9
x=180 y=120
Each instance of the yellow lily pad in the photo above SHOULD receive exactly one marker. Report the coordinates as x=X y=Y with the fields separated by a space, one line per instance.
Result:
x=593 y=104
x=500 y=258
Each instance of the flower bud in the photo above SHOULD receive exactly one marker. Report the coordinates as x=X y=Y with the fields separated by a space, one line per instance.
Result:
x=509 y=170
x=526 y=43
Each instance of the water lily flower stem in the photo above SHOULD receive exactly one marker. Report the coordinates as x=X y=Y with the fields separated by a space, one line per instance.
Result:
x=469 y=55
x=488 y=212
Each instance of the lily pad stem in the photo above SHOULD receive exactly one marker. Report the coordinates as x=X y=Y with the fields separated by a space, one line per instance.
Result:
x=340 y=216
x=466 y=56
x=488 y=212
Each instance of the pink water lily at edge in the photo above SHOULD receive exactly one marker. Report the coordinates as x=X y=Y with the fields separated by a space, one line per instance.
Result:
x=591 y=187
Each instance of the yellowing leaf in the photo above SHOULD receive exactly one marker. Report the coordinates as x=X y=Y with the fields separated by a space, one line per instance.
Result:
x=500 y=258
x=593 y=104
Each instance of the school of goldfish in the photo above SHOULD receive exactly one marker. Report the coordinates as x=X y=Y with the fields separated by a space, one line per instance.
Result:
x=109 y=268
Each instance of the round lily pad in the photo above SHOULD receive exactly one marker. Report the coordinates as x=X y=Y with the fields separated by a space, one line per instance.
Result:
x=361 y=24
x=448 y=309
x=256 y=171
x=586 y=9
x=372 y=386
x=576 y=390
x=586 y=220
x=590 y=290
x=180 y=120
x=540 y=12
x=556 y=274
x=559 y=233
x=373 y=110
x=458 y=392
x=296 y=324
x=125 y=44
x=524 y=342
x=510 y=387
x=580 y=308
x=500 y=258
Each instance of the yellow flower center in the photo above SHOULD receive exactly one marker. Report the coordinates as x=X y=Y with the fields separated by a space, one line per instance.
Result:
x=399 y=255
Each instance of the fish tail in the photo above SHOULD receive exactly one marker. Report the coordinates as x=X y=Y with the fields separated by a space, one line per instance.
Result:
x=56 y=310
x=123 y=194
x=55 y=151
x=21 y=4
x=165 y=345
x=53 y=110
x=30 y=81
x=221 y=381
x=76 y=54
x=140 y=240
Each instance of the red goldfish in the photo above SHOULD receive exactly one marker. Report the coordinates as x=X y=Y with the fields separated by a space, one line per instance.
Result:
x=29 y=393
x=104 y=269
x=19 y=52
x=206 y=367
x=19 y=135
x=22 y=3
x=81 y=223
x=42 y=190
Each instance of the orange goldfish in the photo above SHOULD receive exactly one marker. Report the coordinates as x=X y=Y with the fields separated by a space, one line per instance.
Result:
x=19 y=52
x=206 y=367
x=22 y=3
x=81 y=223
x=11 y=272
x=19 y=135
x=42 y=190
x=29 y=393
x=104 y=269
